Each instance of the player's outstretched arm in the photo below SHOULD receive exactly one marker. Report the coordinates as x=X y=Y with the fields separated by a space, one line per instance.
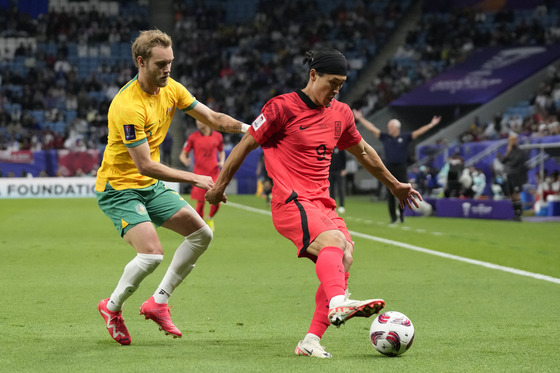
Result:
x=217 y=121
x=368 y=157
x=366 y=123
x=146 y=166
x=232 y=164
x=422 y=130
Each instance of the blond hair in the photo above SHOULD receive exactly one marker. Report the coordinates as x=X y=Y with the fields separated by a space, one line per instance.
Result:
x=147 y=40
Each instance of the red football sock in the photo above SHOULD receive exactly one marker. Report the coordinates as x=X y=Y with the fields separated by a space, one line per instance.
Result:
x=330 y=271
x=200 y=208
x=320 y=321
x=213 y=210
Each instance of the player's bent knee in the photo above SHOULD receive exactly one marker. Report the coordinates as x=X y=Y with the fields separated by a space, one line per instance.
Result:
x=201 y=238
x=336 y=238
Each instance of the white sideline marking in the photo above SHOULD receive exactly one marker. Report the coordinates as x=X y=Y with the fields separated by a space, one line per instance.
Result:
x=252 y=209
x=515 y=271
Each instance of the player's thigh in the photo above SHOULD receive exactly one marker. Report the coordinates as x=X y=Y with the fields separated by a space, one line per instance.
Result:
x=185 y=221
x=144 y=239
x=163 y=203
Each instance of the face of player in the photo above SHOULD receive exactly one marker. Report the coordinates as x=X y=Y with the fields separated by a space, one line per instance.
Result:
x=158 y=67
x=322 y=89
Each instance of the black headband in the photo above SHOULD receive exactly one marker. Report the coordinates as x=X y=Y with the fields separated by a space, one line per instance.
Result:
x=334 y=64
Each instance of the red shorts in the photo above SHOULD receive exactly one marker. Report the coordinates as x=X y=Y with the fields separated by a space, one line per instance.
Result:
x=198 y=193
x=302 y=220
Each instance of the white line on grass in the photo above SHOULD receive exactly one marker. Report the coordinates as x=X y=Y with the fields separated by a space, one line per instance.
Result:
x=520 y=272
x=515 y=271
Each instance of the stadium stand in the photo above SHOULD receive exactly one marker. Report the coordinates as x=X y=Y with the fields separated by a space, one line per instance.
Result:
x=60 y=68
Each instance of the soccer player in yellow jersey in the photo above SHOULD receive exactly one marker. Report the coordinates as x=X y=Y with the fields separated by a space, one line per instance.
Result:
x=129 y=184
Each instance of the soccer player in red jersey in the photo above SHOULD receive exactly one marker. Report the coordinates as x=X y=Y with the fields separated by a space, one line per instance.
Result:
x=298 y=132
x=207 y=146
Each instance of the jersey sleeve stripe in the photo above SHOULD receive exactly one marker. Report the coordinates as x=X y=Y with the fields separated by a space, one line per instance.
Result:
x=191 y=106
x=136 y=143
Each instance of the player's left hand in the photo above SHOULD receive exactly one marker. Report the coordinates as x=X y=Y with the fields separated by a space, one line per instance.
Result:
x=214 y=196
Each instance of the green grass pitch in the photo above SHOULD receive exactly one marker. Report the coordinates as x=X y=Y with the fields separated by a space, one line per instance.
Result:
x=249 y=299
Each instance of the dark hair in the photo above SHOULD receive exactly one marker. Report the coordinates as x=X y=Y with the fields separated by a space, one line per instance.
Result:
x=326 y=61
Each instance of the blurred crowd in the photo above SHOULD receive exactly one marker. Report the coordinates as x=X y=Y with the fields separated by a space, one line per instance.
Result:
x=444 y=38
x=46 y=104
x=236 y=67
x=537 y=117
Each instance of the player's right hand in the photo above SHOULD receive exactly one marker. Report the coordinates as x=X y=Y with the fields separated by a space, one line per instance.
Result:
x=204 y=182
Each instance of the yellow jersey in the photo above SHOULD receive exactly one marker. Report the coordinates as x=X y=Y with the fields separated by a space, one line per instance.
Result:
x=134 y=118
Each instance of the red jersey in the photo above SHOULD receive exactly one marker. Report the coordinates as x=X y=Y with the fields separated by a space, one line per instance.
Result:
x=298 y=139
x=205 y=150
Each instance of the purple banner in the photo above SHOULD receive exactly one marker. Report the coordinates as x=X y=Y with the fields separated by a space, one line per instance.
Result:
x=488 y=6
x=482 y=77
x=474 y=208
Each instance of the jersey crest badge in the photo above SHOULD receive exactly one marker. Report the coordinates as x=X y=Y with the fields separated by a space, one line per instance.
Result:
x=129 y=132
x=337 y=128
x=141 y=209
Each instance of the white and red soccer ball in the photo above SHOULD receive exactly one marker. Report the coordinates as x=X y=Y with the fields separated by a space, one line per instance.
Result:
x=391 y=333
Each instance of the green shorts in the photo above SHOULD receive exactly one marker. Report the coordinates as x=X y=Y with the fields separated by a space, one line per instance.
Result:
x=129 y=207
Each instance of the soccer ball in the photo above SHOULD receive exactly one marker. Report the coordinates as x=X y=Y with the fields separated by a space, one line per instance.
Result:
x=424 y=208
x=391 y=333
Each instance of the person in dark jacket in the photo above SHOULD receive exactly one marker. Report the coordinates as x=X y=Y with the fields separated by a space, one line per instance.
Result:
x=516 y=171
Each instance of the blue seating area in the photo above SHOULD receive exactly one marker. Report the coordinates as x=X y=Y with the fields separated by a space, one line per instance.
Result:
x=359 y=28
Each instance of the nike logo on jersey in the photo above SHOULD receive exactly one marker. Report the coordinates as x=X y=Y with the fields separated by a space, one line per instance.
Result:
x=303 y=128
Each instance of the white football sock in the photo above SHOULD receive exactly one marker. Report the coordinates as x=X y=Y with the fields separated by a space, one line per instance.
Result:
x=311 y=336
x=336 y=301
x=134 y=272
x=183 y=262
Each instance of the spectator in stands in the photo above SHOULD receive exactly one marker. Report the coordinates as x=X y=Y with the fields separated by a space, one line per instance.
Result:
x=449 y=175
x=395 y=145
x=466 y=182
x=129 y=187
x=514 y=162
x=478 y=182
x=425 y=180
x=498 y=175
x=555 y=182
